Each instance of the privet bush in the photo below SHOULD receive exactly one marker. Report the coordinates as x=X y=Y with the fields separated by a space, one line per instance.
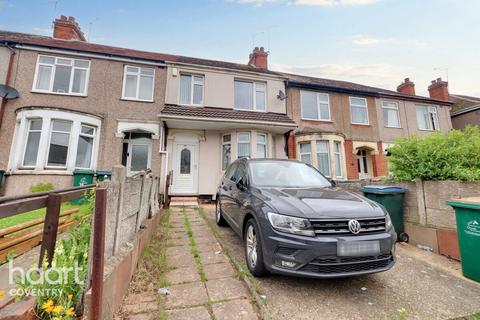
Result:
x=454 y=156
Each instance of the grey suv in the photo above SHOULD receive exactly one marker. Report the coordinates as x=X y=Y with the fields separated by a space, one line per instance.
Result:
x=294 y=221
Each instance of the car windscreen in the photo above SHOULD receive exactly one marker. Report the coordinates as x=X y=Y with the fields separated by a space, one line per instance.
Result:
x=286 y=174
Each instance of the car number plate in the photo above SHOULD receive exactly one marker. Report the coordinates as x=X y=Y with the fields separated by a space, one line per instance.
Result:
x=358 y=248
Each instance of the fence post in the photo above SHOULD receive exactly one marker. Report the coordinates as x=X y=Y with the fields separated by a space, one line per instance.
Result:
x=98 y=253
x=137 y=223
x=118 y=181
x=50 y=228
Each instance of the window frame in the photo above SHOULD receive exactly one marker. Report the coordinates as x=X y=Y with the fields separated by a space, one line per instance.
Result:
x=317 y=95
x=27 y=134
x=265 y=144
x=433 y=123
x=396 y=108
x=244 y=142
x=52 y=76
x=254 y=95
x=137 y=90
x=317 y=152
x=309 y=153
x=192 y=85
x=358 y=106
x=88 y=136
x=340 y=158
x=221 y=151
x=49 y=144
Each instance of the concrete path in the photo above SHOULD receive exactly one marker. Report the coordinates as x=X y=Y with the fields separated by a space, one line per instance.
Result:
x=422 y=285
x=202 y=282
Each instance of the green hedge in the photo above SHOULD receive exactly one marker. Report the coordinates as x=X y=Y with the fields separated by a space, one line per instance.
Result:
x=438 y=156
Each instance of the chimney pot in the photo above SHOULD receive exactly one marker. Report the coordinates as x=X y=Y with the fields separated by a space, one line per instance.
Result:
x=67 y=29
x=439 y=79
x=407 y=87
x=438 y=90
x=258 y=58
x=407 y=79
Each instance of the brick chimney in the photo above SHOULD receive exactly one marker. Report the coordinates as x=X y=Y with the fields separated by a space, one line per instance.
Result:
x=259 y=58
x=67 y=29
x=407 y=87
x=438 y=89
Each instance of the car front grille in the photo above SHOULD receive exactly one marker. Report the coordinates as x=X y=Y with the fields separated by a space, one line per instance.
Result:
x=340 y=226
x=345 y=265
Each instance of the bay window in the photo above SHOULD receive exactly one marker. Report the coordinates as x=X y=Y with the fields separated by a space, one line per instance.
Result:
x=337 y=152
x=391 y=118
x=323 y=157
x=305 y=152
x=323 y=152
x=226 y=150
x=243 y=144
x=427 y=118
x=138 y=83
x=250 y=95
x=61 y=75
x=315 y=106
x=261 y=145
x=46 y=140
x=191 y=89
x=359 y=110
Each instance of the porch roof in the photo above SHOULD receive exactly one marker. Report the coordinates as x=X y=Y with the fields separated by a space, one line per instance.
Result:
x=219 y=118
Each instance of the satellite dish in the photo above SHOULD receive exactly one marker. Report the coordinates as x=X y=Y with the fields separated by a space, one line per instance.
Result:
x=7 y=92
x=281 y=95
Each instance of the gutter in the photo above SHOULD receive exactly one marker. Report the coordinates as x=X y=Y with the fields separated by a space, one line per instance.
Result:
x=465 y=110
x=7 y=82
x=266 y=123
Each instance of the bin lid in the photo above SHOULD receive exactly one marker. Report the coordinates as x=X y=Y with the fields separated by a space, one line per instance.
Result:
x=83 y=171
x=104 y=172
x=383 y=189
x=468 y=203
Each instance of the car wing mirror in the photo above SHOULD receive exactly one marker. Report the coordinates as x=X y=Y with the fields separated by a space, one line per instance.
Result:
x=241 y=185
x=334 y=184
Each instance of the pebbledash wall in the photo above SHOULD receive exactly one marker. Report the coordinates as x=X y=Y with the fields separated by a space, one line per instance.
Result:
x=429 y=222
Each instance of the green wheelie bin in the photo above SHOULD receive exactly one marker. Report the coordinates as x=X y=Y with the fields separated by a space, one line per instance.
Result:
x=82 y=177
x=392 y=199
x=104 y=174
x=467 y=213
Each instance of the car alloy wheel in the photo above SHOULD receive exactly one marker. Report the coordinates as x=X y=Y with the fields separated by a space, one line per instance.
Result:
x=218 y=215
x=251 y=246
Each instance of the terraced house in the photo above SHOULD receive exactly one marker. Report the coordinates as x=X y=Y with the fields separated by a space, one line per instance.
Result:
x=89 y=106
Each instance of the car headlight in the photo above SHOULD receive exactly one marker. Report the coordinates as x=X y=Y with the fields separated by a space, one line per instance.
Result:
x=291 y=224
x=388 y=222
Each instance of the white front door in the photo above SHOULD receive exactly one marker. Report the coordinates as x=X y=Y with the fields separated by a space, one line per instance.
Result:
x=185 y=168
x=139 y=156
x=362 y=160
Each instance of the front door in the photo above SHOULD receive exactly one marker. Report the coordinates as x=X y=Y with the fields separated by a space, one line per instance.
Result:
x=362 y=161
x=139 y=155
x=185 y=168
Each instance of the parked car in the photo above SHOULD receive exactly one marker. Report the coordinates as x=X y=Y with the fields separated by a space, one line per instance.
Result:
x=294 y=221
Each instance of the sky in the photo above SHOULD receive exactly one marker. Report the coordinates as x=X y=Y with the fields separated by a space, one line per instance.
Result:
x=372 y=42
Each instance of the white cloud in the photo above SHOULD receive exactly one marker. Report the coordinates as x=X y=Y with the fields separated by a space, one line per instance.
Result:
x=324 y=3
x=366 y=41
x=43 y=31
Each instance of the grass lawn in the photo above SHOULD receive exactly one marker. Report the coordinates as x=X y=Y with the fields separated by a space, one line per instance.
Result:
x=40 y=213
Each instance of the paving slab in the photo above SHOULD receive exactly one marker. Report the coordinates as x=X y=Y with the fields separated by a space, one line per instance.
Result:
x=209 y=257
x=183 y=275
x=226 y=288
x=176 y=250
x=202 y=247
x=206 y=239
x=196 y=313
x=240 y=309
x=140 y=307
x=219 y=270
x=187 y=294
x=181 y=261
x=140 y=297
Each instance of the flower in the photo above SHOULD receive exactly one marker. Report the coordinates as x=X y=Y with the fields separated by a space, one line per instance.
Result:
x=69 y=312
x=55 y=318
x=2 y=293
x=70 y=296
x=47 y=305
x=48 y=309
x=57 y=309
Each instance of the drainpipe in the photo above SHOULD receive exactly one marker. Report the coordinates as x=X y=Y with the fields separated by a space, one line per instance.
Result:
x=7 y=82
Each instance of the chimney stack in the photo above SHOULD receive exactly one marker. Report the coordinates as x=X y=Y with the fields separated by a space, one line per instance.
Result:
x=67 y=29
x=438 y=90
x=259 y=58
x=407 y=87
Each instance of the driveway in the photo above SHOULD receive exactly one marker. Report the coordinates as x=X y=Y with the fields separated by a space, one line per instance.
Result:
x=421 y=285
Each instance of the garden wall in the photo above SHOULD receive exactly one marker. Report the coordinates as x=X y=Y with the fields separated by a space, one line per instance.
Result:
x=429 y=222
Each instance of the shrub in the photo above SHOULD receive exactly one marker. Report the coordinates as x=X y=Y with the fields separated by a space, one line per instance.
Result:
x=41 y=187
x=438 y=156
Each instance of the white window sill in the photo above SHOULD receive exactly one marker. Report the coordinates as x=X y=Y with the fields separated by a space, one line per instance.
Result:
x=318 y=120
x=250 y=110
x=136 y=100
x=361 y=124
x=40 y=172
x=60 y=93
x=428 y=130
x=389 y=127
x=192 y=105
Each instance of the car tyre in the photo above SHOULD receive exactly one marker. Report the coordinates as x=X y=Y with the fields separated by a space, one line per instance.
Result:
x=253 y=249
x=219 y=219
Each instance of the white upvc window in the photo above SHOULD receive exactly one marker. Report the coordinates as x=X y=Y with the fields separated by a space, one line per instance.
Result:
x=427 y=118
x=243 y=144
x=323 y=157
x=359 y=110
x=191 y=89
x=306 y=152
x=315 y=106
x=250 y=95
x=337 y=152
x=138 y=83
x=226 y=150
x=61 y=75
x=391 y=117
x=47 y=140
x=261 y=151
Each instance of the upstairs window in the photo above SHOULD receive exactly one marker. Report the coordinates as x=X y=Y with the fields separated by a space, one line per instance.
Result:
x=359 y=111
x=391 y=118
x=427 y=118
x=138 y=83
x=61 y=75
x=315 y=106
x=191 y=89
x=250 y=95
